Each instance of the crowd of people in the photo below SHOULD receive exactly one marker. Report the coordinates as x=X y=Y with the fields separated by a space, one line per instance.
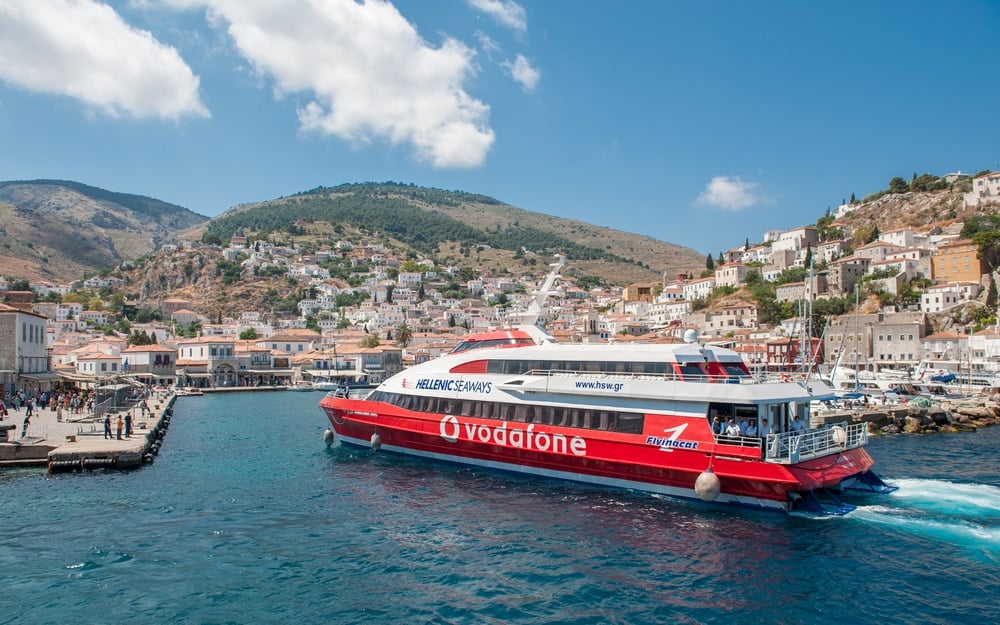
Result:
x=725 y=425
x=64 y=402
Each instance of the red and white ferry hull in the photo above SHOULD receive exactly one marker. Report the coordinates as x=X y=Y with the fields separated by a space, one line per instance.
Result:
x=637 y=461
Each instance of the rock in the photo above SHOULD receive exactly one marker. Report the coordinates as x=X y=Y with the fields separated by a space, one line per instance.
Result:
x=975 y=412
x=939 y=417
x=913 y=425
x=875 y=419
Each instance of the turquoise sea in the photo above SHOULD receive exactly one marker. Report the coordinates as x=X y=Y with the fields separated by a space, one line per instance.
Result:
x=247 y=517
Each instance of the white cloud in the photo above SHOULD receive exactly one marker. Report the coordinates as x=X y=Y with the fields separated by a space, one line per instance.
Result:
x=507 y=12
x=730 y=193
x=488 y=45
x=369 y=73
x=523 y=73
x=84 y=50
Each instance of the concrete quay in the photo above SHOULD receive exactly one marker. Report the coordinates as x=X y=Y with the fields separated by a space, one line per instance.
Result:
x=78 y=442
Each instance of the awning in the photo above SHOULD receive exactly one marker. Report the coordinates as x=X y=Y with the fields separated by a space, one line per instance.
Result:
x=78 y=377
x=196 y=375
x=41 y=377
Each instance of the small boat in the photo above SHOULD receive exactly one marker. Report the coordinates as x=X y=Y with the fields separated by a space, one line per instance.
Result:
x=302 y=386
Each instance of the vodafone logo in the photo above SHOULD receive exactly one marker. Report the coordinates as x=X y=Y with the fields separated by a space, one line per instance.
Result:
x=452 y=430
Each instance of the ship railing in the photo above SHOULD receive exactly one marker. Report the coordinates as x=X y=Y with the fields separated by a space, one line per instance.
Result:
x=793 y=447
x=669 y=376
x=740 y=441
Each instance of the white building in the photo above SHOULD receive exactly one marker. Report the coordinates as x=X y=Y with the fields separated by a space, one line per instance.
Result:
x=944 y=296
x=985 y=190
x=699 y=289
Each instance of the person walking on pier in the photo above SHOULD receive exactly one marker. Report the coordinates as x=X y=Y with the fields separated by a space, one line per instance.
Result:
x=120 y=425
x=128 y=425
x=107 y=426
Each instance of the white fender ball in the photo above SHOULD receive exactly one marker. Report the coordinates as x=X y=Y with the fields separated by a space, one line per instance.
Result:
x=328 y=437
x=839 y=435
x=707 y=486
x=376 y=441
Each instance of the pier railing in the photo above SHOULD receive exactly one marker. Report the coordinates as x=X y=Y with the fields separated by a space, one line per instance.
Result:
x=793 y=447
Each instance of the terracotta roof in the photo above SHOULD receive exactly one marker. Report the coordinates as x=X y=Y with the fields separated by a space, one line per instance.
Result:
x=147 y=348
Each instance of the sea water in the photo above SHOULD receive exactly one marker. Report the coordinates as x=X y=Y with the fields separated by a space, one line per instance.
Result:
x=247 y=517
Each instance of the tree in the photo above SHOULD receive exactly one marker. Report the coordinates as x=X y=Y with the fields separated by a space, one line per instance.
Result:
x=250 y=334
x=312 y=323
x=991 y=294
x=746 y=245
x=709 y=262
x=404 y=335
x=369 y=341
x=720 y=261
x=898 y=185
x=985 y=233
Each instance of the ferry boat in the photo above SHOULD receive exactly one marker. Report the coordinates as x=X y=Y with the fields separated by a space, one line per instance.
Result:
x=631 y=416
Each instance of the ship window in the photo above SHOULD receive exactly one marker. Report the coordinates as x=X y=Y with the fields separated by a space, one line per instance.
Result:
x=745 y=411
x=691 y=369
x=605 y=420
x=734 y=370
x=629 y=423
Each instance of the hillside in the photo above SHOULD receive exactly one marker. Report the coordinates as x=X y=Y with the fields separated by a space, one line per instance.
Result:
x=58 y=230
x=430 y=220
x=918 y=210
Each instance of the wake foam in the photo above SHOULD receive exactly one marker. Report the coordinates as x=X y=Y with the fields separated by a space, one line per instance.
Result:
x=966 y=515
x=948 y=497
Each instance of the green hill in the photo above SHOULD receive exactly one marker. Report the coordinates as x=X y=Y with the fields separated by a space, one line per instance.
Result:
x=429 y=220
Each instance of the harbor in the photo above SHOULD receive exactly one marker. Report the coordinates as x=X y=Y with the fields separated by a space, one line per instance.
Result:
x=79 y=441
x=246 y=511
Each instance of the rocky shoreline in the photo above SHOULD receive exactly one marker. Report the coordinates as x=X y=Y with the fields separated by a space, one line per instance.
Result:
x=967 y=415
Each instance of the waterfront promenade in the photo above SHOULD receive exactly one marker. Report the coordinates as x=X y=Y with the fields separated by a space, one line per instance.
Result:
x=78 y=441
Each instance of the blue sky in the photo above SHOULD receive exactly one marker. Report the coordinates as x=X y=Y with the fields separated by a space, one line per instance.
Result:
x=698 y=123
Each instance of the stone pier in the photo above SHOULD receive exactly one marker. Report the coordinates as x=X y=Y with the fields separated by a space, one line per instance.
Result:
x=78 y=442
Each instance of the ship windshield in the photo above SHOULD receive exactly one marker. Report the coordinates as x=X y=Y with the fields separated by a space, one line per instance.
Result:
x=735 y=370
x=504 y=342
